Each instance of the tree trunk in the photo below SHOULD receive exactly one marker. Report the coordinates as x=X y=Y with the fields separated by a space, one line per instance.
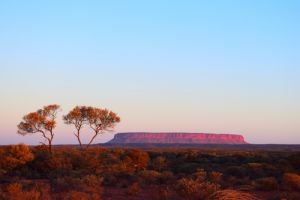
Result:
x=50 y=141
x=50 y=146
x=92 y=140
x=78 y=137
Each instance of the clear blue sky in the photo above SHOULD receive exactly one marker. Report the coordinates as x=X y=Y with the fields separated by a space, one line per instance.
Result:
x=194 y=66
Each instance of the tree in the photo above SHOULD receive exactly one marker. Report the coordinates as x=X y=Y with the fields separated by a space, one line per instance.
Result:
x=78 y=117
x=41 y=121
x=100 y=121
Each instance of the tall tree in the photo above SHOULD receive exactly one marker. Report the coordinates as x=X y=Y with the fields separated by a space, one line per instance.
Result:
x=41 y=121
x=78 y=117
x=100 y=121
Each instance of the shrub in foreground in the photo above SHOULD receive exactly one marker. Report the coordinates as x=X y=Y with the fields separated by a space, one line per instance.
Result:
x=233 y=194
x=194 y=189
x=14 y=156
x=291 y=181
x=16 y=191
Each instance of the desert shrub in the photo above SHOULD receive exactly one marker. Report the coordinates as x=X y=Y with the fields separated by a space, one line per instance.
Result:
x=208 y=189
x=166 y=177
x=159 y=163
x=16 y=191
x=59 y=165
x=71 y=195
x=291 y=181
x=236 y=181
x=14 y=156
x=42 y=162
x=193 y=189
x=163 y=194
x=188 y=188
x=236 y=171
x=255 y=170
x=13 y=191
x=233 y=194
x=42 y=188
x=215 y=177
x=272 y=170
x=109 y=179
x=89 y=184
x=90 y=160
x=134 y=189
x=266 y=184
x=187 y=168
x=63 y=184
x=92 y=184
x=139 y=159
x=149 y=176
x=295 y=160
x=111 y=161
x=255 y=165
x=200 y=175
x=287 y=195
x=284 y=165
x=120 y=161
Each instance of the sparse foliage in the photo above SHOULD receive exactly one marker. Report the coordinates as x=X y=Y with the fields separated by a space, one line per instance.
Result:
x=77 y=117
x=100 y=121
x=41 y=121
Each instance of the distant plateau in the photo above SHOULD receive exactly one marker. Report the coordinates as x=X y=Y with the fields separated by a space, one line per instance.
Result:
x=176 y=138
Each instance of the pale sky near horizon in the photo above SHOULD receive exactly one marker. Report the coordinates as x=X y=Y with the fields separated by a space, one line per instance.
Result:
x=189 y=66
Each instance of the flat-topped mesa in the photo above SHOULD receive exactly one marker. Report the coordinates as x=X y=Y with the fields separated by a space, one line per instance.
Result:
x=176 y=138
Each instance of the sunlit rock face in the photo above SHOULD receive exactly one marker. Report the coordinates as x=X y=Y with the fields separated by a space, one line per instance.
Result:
x=177 y=138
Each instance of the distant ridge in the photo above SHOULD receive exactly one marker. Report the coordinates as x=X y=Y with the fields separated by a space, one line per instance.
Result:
x=176 y=138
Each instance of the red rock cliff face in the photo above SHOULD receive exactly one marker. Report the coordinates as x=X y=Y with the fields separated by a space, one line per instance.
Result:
x=177 y=138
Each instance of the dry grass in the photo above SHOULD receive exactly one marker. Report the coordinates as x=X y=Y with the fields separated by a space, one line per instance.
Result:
x=233 y=195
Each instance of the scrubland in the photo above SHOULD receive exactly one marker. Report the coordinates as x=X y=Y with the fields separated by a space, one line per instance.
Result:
x=33 y=173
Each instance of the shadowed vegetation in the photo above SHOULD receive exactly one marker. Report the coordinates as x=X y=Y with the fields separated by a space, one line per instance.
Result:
x=119 y=173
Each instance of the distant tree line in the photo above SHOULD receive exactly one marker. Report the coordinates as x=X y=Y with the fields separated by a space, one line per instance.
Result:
x=43 y=121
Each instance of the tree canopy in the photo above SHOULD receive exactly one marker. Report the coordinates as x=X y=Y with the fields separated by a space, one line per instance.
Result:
x=42 y=121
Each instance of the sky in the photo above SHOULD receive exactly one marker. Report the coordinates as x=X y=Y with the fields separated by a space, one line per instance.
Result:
x=186 y=66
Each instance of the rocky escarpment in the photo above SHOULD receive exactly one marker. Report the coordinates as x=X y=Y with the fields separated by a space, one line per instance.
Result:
x=177 y=138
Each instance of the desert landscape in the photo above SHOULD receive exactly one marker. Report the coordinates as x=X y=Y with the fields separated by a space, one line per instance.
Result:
x=142 y=165
x=149 y=100
x=160 y=172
